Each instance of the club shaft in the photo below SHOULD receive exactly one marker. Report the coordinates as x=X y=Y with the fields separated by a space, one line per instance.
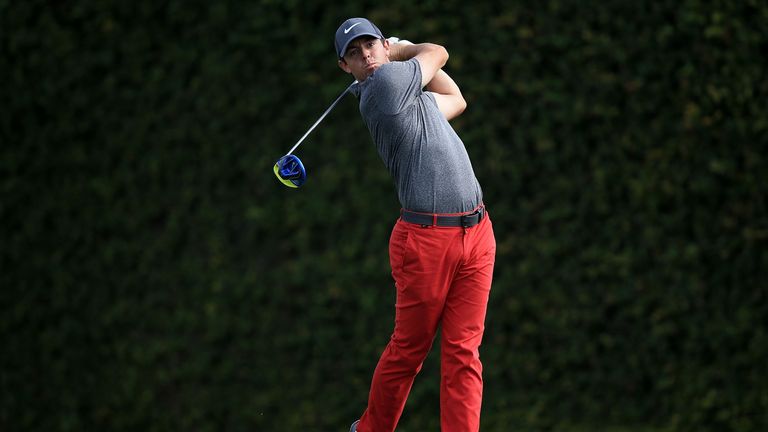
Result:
x=321 y=118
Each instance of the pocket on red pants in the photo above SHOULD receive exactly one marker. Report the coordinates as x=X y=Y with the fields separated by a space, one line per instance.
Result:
x=398 y=244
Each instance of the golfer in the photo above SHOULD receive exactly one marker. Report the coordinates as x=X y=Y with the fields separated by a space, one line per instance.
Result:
x=442 y=248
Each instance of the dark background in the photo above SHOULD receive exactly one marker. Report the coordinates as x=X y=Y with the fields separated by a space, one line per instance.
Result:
x=157 y=277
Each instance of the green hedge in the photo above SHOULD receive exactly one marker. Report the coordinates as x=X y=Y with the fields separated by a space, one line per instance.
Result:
x=155 y=276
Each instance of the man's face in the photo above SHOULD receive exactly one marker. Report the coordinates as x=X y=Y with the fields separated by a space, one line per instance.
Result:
x=363 y=56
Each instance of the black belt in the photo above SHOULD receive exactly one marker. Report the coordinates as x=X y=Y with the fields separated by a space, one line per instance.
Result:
x=426 y=219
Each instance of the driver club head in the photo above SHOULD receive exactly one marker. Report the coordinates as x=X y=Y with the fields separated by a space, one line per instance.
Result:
x=290 y=171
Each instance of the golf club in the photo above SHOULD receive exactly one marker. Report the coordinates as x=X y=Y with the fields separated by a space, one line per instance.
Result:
x=289 y=169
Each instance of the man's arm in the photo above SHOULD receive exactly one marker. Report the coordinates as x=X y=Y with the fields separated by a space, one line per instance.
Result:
x=432 y=58
x=447 y=95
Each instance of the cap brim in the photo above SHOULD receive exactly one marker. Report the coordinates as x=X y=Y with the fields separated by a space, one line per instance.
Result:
x=346 y=44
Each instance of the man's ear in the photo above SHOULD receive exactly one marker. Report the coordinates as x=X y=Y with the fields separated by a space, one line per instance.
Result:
x=344 y=66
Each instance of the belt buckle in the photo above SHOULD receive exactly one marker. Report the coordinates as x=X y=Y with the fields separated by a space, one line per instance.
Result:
x=479 y=213
x=466 y=220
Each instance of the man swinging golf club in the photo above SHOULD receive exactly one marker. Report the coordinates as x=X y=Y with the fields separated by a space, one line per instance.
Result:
x=442 y=248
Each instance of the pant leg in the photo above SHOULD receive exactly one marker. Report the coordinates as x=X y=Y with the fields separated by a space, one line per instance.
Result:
x=463 y=324
x=423 y=261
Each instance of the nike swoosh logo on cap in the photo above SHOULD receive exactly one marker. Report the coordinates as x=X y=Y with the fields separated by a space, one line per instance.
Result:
x=346 y=30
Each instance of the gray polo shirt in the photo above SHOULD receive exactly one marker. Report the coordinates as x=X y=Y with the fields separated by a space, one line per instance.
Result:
x=427 y=160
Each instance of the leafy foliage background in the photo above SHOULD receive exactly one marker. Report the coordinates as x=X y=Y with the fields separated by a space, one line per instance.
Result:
x=155 y=276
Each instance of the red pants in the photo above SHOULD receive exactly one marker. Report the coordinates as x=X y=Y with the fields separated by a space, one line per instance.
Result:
x=443 y=277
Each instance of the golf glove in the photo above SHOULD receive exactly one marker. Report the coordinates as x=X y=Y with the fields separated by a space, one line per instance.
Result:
x=395 y=40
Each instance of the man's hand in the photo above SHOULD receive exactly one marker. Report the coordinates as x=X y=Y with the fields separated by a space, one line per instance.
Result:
x=395 y=40
x=396 y=52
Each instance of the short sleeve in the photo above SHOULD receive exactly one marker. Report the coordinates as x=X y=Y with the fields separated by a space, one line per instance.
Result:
x=395 y=86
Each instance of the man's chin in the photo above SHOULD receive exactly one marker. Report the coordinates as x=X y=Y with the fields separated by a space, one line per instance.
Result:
x=365 y=75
